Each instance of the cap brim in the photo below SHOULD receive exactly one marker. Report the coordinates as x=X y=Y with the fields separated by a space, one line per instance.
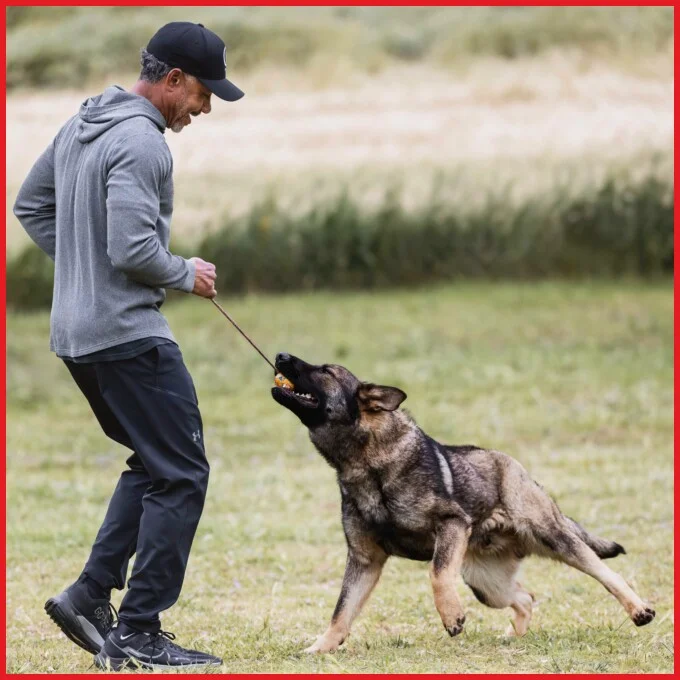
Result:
x=224 y=89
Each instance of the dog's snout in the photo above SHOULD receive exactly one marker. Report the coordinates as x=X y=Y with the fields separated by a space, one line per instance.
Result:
x=283 y=358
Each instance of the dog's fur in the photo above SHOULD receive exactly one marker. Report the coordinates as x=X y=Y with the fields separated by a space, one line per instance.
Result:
x=465 y=509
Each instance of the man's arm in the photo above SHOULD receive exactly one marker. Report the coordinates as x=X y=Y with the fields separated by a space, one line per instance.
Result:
x=138 y=167
x=35 y=207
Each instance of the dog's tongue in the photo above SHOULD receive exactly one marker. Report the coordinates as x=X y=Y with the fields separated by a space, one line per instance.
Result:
x=281 y=381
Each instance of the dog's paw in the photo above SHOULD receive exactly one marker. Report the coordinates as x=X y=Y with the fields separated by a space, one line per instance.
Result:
x=323 y=646
x=457 y=627
x=642 y=617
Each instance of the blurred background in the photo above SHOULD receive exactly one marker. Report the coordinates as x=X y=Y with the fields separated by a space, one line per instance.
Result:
x=387 y=145
x=472 y=203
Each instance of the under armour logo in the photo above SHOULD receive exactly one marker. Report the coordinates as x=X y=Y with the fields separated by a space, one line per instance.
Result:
x=196 y=436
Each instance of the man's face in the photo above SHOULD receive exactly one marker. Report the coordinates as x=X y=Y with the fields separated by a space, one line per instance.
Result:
x=188 y=98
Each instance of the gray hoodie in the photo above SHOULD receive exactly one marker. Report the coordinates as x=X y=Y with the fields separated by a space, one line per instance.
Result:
x=99 y=202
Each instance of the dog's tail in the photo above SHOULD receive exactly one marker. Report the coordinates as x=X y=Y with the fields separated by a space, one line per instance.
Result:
x=603 y=548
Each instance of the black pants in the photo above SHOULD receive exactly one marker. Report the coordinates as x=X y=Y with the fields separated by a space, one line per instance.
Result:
x=148 y=404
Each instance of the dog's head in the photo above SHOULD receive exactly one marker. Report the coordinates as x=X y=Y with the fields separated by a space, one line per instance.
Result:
x=329 y=393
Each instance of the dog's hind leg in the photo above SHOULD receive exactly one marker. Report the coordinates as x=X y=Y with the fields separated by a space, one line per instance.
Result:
x=492 y=580
x=566 y=546
x=450 y=546
x=361 y=574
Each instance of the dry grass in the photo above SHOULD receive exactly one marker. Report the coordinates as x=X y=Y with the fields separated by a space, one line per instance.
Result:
x=492 y=121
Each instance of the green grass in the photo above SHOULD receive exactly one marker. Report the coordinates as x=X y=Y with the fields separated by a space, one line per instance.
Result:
x=574 y=380
x=617 y=226
x=67 y=46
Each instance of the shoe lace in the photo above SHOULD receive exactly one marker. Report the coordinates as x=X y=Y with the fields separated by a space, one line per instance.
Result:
x=113 y=615
x=163 y=639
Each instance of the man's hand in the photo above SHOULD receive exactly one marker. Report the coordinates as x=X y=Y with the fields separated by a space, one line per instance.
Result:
x=204 y=284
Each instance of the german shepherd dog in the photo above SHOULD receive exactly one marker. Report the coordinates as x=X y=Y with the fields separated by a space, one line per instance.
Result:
x=465 y=509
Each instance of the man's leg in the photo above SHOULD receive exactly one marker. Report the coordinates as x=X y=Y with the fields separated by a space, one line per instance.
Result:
x=117 y=538
x=83 y=610
x=153 y=398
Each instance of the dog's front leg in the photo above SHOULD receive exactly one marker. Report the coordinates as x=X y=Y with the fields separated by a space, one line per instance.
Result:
x=361 y=575
x=449 y=548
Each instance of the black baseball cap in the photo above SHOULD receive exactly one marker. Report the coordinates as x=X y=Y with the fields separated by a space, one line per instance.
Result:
x=198 y=52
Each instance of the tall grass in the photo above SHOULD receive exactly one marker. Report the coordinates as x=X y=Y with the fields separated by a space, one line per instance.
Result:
x=623 y=226
x=70 y=46
x=616 y=229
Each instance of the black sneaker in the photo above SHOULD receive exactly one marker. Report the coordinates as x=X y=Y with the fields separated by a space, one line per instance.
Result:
x=128 y=648
x=83 y=619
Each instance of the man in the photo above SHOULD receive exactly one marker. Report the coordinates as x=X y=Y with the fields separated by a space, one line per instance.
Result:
x=99 y=202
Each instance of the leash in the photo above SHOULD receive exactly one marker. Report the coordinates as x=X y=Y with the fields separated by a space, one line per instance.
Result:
x=243 y=334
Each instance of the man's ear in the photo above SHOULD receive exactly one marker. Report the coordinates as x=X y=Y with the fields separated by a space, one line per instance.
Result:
x=174 y=78
x=379 y=397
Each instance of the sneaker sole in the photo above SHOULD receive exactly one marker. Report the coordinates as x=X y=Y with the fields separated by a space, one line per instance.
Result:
x=73 y=624
x=105 y=663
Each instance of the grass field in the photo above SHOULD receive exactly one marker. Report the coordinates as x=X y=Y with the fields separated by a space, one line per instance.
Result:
x=574 y=380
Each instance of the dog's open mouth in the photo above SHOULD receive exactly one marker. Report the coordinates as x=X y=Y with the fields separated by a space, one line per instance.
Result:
x=285 y=386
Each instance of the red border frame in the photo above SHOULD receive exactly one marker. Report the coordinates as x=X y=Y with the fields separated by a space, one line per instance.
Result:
x=3 y=263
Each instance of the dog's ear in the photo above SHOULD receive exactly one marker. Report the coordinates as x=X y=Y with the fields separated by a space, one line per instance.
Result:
x=379 y=397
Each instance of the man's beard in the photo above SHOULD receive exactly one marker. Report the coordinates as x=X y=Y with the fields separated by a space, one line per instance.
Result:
x=178 y=125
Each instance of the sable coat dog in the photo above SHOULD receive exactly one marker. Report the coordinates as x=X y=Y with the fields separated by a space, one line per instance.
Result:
x=465 y=509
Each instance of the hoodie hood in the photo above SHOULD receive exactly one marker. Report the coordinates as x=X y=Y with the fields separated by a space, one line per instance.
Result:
x=99 y=114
